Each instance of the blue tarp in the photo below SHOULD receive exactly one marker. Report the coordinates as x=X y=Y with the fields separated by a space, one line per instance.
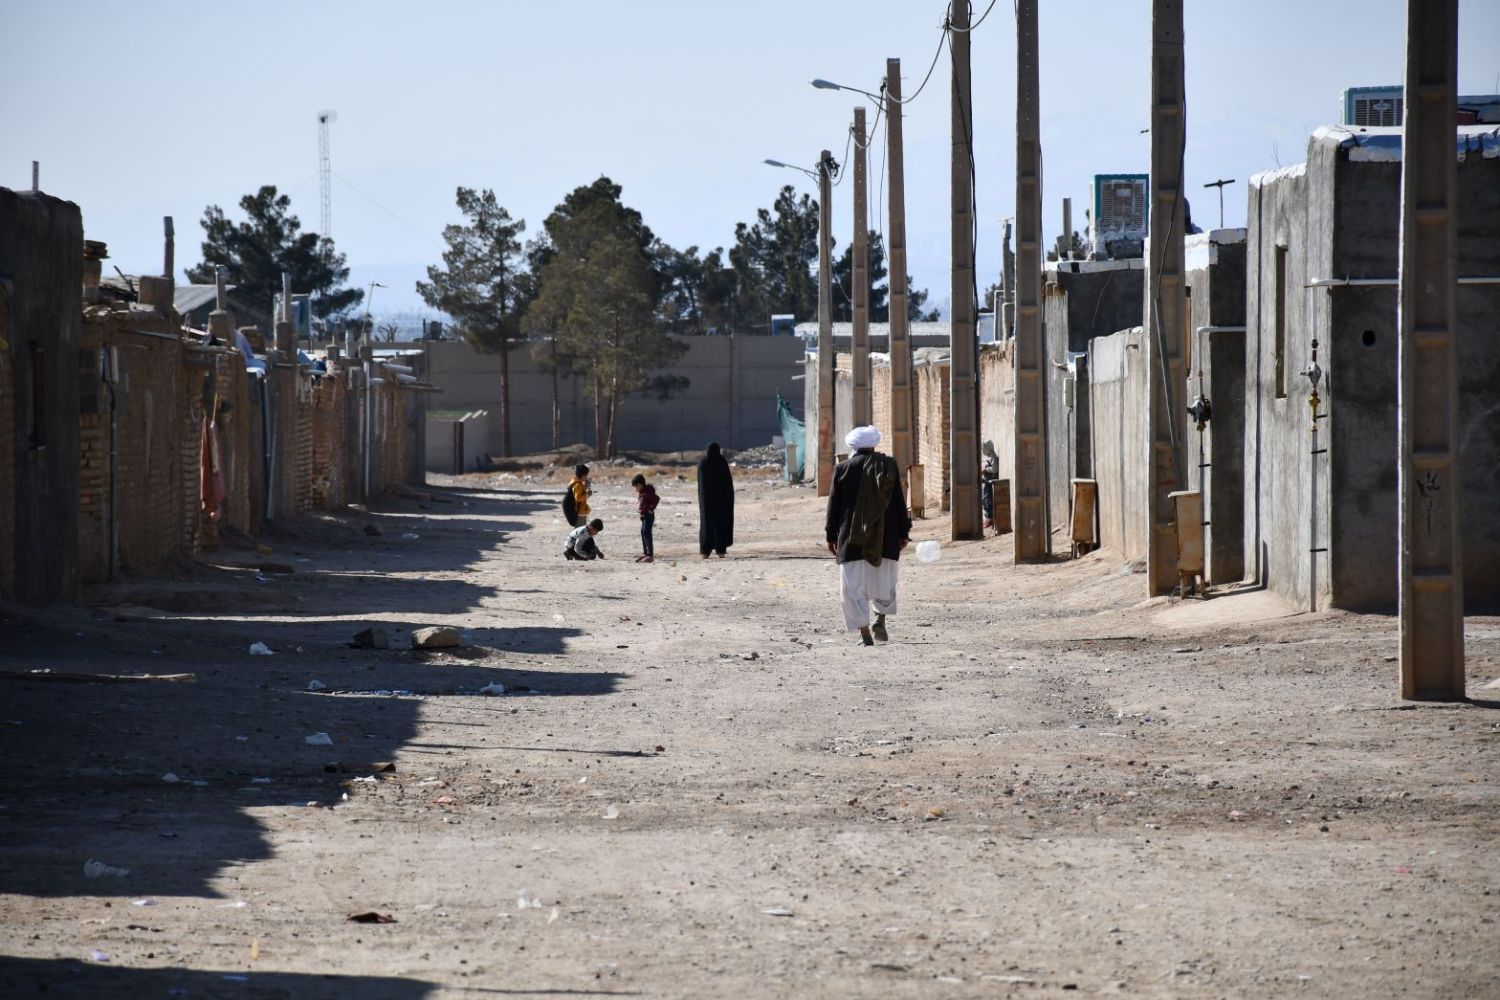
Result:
x=795 y=433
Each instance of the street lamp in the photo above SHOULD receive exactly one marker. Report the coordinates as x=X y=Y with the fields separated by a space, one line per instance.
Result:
x=830 y=85
x=369 y=331
x=790 y=166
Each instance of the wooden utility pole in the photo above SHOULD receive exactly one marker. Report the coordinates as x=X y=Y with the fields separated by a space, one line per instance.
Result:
x=903 y=422
x=1432 y=601
x=963 y=382
x=1166 y=298
x=1033 y=535
x=825 y=324
x=859 y=280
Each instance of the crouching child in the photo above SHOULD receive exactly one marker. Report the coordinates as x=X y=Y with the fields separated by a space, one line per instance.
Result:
x=581 y=544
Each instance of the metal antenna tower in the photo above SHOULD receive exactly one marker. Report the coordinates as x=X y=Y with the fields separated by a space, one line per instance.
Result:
x=325 y=173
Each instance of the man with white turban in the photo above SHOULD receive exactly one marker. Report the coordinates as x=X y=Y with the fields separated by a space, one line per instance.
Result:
x=867 y=528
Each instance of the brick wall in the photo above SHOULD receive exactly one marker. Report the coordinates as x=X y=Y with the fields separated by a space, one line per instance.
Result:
x=391 y=434
x=330 y=443
x=147 y=464
x=237 y=441
x=930 y=382
x=880 y=402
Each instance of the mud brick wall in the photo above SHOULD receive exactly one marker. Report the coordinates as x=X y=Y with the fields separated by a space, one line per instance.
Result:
x=146 y=455
x=196 y=385
x=147 y=459
x=237 y=430
x=292 y=406
x=330 y=443
x=932 y=405
x=392 y=431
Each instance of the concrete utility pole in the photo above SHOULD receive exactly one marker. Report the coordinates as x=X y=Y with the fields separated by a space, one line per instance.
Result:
x=825 y=324
x=1432 y=600
x=1065 y=241
x=859 y=279
x=1033 y=534
x=963 y=415
x=1004 y=319
x=903 y=423
x=1166 y=298
x=169 y=248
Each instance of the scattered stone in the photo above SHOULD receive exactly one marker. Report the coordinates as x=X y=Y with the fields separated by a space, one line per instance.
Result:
x=373 y=530
x=371 y=917
x=371 y=638
x=436 y=637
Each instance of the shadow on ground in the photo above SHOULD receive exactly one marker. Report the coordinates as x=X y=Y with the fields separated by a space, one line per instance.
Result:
x=72 y=978
x=89 y=763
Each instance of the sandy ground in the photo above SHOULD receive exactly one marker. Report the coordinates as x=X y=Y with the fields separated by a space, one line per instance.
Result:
x=697 y=785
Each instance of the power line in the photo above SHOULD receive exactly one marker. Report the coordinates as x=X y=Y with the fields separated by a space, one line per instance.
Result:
x=977 y=23
x=345 y=181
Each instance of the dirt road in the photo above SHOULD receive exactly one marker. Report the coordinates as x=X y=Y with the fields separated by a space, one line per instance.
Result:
x=697 y=785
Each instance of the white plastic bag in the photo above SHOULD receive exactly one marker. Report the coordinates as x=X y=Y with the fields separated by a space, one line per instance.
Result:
x=929 y=551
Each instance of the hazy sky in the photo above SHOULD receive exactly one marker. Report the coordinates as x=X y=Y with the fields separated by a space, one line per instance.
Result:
x=157 y=108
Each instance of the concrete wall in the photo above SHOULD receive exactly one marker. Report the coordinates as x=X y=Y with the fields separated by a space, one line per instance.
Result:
x=1216 y=459
x=1222 y=449
x=1339 y=217
x=1290 y=209
x=997 y=405
x=1081 y=300
x=1118 y=430
x=41 y=264
x=731 y=396
x=1362 y=372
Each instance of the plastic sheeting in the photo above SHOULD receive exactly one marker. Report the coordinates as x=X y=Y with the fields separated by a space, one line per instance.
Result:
x=794 y=432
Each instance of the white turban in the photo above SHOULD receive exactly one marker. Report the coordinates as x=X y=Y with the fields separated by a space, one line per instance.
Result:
x=862 y=437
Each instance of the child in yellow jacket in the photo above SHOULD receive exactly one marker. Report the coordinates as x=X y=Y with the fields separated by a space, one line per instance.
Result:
x=581 y=488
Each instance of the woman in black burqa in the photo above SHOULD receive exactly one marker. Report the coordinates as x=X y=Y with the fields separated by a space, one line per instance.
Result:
x=715 y=503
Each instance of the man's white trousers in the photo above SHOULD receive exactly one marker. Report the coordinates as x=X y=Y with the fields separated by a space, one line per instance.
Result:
x=863 y=586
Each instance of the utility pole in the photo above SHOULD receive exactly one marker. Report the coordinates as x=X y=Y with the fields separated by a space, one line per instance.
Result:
x=826 y=167
x=1432 y=601
x=1065 y=241
x=963 y=397
x=1004 y=312
x=903 y=422
x=1220 y=184
x=1166 y=298
x=859 y=342
x=1033 y=534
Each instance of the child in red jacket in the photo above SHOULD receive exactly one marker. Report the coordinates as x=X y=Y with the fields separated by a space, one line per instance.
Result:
x=647 y=507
